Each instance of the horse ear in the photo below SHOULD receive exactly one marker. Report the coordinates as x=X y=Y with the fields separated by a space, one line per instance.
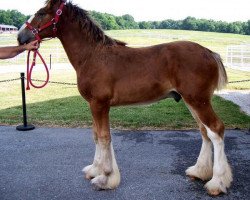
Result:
x=51 y=3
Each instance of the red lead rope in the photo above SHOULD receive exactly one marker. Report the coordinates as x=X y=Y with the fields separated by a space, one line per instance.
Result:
x=30 y=69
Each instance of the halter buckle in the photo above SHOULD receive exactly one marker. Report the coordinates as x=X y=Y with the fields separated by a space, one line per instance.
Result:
x=34 y=31
x=59 y=12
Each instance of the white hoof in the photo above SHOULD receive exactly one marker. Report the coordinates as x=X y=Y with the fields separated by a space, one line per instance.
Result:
x=201 y=172
x=215 y=187
x=104 y=182
x=91 y=171
x=219 y=184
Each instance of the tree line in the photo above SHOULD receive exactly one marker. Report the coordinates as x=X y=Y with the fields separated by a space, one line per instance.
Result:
x=112 y=22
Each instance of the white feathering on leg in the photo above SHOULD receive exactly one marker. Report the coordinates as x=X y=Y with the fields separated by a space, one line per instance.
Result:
x=222 y=175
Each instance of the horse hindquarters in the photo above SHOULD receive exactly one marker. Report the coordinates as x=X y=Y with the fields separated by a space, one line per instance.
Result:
x=198 y=99
x=212 y=129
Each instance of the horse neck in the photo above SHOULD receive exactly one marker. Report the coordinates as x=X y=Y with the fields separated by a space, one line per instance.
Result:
x=77 y=44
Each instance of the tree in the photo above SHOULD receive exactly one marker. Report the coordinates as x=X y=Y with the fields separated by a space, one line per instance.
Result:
x=130 y=22
x=246 y=27
x=144 y=25
x=12 y=17
x=189 y=24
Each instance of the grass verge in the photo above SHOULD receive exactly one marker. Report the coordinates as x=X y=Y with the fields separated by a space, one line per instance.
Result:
x=167 y=114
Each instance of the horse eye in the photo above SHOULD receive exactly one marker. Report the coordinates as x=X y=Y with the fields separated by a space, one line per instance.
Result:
x=41 y=14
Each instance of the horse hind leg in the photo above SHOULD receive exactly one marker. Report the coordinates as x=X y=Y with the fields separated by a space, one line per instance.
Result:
x=203 y=169
x=222 y=175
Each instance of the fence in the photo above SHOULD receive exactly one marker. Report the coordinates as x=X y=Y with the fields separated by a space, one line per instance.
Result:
x=56 y=52
x=234 y=56
x=238 y=57
x=51 y=49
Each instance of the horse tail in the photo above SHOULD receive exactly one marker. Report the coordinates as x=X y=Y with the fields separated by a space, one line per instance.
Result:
x=222 y=79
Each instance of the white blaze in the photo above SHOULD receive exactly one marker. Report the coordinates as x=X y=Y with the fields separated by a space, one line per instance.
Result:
x=24 y=25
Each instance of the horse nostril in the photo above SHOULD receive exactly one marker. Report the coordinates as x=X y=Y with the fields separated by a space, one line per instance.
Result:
x=20 y=41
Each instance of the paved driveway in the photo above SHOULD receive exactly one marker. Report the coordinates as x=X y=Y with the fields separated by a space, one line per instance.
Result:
x=46 y=163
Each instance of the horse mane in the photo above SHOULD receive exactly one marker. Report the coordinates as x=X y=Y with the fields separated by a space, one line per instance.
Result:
x=87 y=24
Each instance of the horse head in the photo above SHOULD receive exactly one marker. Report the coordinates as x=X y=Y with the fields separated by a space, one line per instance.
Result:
x=43 y=24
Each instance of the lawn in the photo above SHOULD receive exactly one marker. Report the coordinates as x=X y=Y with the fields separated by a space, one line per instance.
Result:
x=73 y=111
x=61 y=105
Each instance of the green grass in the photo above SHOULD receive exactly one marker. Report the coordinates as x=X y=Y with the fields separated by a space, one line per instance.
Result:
x=236 y=75
x=61 y=105
x=167 y=114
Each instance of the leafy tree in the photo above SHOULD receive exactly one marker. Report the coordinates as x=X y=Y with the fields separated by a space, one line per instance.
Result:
x=246 y=27
x=12 y=17
x=130 y=22
x=144 y=25
x=190 y=23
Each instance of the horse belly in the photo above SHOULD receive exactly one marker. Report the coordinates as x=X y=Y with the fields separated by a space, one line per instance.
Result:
x=139 y=92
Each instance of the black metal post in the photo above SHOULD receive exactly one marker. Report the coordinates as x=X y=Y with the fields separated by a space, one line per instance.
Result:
x=25 y=126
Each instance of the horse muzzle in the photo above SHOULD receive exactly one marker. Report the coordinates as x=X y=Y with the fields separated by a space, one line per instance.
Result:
x=25 y=36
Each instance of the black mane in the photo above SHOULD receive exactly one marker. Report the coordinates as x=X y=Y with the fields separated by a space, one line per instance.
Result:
x=88 y=25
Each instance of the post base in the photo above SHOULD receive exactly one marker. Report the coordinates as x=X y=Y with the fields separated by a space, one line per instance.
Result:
x=29 y=127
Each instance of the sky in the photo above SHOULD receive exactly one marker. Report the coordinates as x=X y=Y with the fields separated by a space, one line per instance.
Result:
x=151 y=10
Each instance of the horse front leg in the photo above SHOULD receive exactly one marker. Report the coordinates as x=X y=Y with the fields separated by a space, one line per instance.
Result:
x=91 y=171
x=104 y=170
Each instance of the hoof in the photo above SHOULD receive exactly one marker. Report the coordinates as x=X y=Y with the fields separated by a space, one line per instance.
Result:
x=192 y=178
x=215 y=187
x=100 y=182
x=214 y=192
x=90 y=171
x=202 y=173
x=104 y=182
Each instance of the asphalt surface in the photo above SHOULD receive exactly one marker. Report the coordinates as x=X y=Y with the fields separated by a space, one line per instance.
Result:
x=46 y=163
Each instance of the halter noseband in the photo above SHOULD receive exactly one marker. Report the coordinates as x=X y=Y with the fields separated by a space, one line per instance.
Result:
x=53 y=22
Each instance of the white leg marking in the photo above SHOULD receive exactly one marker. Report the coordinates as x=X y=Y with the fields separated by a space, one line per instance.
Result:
x=203 y=168
x=110 y=175
x=222 y=175
x=93 y=170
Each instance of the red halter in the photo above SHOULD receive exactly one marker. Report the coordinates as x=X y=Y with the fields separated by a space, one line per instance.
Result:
x=53 y=22
x=35 y=32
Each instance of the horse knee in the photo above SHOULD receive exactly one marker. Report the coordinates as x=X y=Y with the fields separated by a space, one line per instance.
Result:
x=104 y=138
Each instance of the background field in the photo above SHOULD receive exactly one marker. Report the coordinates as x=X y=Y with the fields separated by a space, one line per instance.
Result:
x=215 y=41
x=61 y=105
